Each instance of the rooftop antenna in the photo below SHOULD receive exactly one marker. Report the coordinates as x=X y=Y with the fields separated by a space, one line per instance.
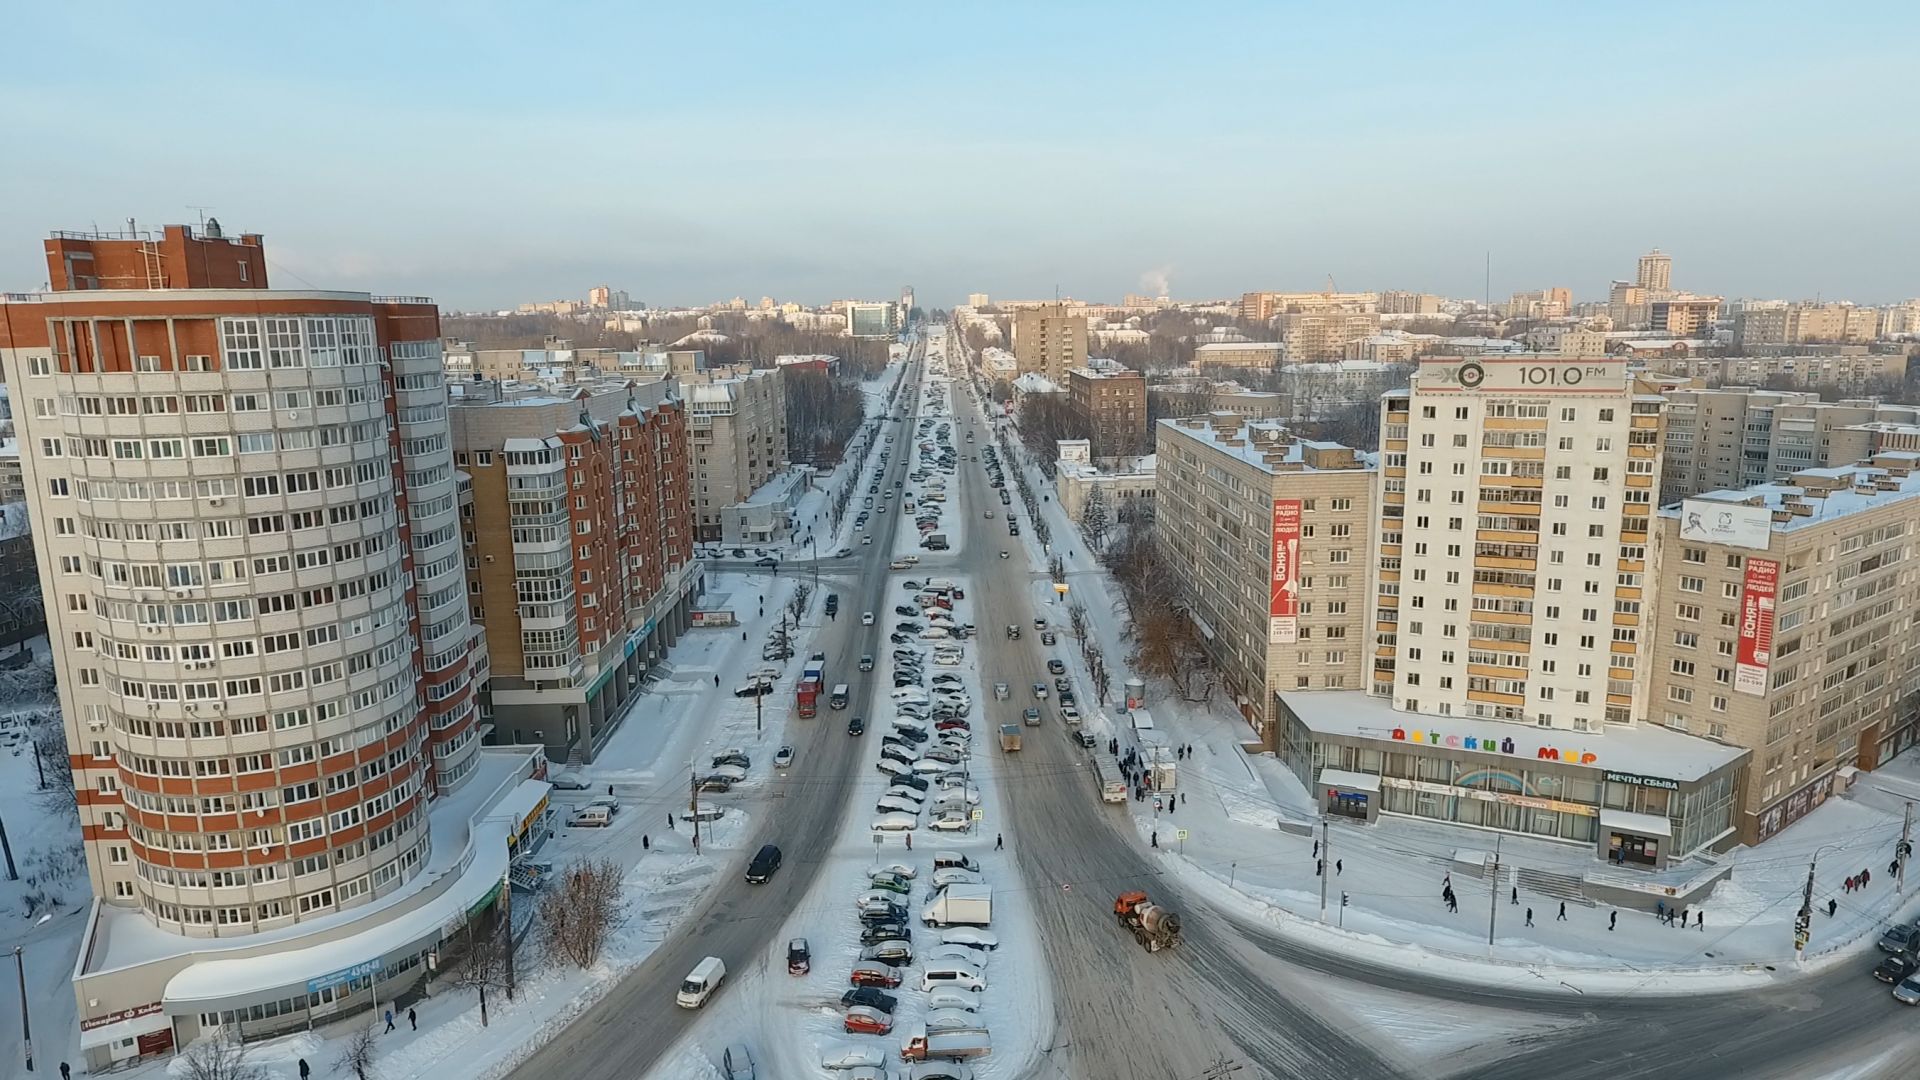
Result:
x=202 y=211
x=1488 y=296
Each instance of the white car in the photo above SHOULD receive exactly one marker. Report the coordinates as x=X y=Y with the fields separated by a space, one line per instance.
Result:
x=947 y=659
x=933 y=633
x=838 y=1056
x=783 y=757
x=866 y=618
x=955 y=954
x=957 y=799
x=954 y=875
x=877 y=898
x=890 y=804
x=896 y=822
x=909 y=693
x=973 y=937
x=953 y=997
x=897 y=869
x=913 y=795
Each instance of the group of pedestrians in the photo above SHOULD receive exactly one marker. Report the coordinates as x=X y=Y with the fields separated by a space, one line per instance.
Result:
x=1676 y=916
x=1859 y=881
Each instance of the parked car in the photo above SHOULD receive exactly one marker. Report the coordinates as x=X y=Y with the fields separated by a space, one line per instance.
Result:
x=568 y=781
x=799 y=957
x=897 y=869
x=891 y=883
x=871 y=997
x=874 y=973
x=861 y=1020
x=875 y=933
x=737 y=1062
x=973 y=937
x=891 y=953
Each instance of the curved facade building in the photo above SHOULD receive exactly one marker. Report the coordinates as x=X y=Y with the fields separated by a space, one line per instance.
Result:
x=248 y=537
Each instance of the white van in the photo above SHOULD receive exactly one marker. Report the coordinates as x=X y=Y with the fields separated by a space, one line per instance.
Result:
x=937 y=585
x=841 y=693
x=943 y=860
x=950 y=973
x=701 y=982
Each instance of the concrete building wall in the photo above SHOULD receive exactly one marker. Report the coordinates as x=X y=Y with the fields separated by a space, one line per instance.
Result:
x=1050 y=340
x=1217 y=481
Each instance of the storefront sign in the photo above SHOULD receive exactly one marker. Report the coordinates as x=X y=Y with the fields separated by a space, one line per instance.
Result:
x=1732 y=524
x=1757 y=592
x=133 y=1013
x=704 y=619
x=1488 y=746
x=1642 y=781
x=1523 y=373
x=345 y=975
x=1531 y=801
x=1283 y=596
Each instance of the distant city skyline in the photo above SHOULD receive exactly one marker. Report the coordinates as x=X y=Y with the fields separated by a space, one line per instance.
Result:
x=691 y=156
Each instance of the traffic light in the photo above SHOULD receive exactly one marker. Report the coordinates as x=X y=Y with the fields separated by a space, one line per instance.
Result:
x=1343 y=898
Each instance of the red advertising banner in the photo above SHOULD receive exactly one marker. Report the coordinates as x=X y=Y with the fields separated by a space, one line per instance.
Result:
x=1757 y=593
x=1283 y=607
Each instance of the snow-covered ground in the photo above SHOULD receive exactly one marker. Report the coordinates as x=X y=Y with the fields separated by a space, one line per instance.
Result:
x=1237 y=854
x=43 y=912
x=813 y=515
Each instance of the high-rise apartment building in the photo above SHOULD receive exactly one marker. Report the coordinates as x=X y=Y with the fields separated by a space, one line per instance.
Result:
x=1258 y=355
x=1739 y=436
x=1798 y=324
x=1683 y=315
x=1113 y=402
x=737 y=433
x=1409 y=303
x=1655 y=272
x=578 y=549
x=1514 y=508
x=1628 y=305
x=870 y=320
x=1784 y=626
x=1322 y=336
x=1261 y=306
x=1050 y=339
x=248 y=538
x=1849 y=367
x=1239 y=503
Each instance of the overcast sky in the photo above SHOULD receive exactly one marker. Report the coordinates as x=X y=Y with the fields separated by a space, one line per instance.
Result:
x=489 y=154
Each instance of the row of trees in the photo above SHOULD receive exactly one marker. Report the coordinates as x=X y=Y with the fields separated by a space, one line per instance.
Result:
x=823 y=413
x=1159 y=615
x=754 y=341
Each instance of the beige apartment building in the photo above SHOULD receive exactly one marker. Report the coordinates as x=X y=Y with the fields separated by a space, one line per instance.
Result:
x=1851 y=368
x=1261 y=306
x=1655 y=271
x=1409 y=303
x=1050 y=339
x=1239 y=503
x=1322 y=336
x=1799 y=324
x=737 y=427
x=1683 y=315
x=1738 y=436
x=1784 y=626
x=1264 y=355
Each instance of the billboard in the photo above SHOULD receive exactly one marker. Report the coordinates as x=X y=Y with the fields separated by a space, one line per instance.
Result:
x=1731 y=524
x=1757 y=592
x=1283 y=597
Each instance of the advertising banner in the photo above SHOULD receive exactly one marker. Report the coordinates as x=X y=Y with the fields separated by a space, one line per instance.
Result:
x=1757 y=594
x=1283 y=608
x=1709 y=522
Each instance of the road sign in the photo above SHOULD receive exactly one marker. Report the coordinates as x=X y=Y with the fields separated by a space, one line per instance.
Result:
x=877 y=838
x=979 y=814
x=1180 y=834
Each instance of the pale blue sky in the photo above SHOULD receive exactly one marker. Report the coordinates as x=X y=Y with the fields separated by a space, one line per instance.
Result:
x=491 y=153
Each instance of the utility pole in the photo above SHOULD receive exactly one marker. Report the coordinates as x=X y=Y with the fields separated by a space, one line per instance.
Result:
x=757 y=699
x=1493 y=905
x=1803 y=922
x=1326 y=860
x=13 y=874
x=1899 y=854
x=693 y=806
x=506 y=913
x=26 y=1026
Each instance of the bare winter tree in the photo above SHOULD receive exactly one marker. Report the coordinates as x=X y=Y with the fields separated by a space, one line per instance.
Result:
x=217 y=1059
x=481 y=965
x=1077 y=620
x=577 y=917
x=802 y=592
x=49 y=737
x=356 y=1056
x=1097 y=672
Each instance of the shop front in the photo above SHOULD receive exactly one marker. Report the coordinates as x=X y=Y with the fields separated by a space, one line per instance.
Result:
x=1640 y=794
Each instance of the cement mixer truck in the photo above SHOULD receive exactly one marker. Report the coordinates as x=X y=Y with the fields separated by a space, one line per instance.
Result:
x=1153 y=926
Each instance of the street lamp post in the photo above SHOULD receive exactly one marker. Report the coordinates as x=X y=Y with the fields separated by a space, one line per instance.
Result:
x=26 y=1025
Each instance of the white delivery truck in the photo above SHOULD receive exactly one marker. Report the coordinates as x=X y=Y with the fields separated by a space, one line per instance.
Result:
x=960 y=905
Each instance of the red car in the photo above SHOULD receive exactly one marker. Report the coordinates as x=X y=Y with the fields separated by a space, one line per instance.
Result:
x=874 y=973
x=955 y=724
x=864 y=1020
x=799 y=957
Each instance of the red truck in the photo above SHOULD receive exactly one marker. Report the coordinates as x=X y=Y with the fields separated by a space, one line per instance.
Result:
x=812 y=680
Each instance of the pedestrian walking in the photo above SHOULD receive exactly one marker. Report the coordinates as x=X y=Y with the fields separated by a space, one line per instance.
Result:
x=1831 y=905
x=1660 y=910
x=1613 y=918
x=413 y=1021
x=1700 y=921
x=1683 y=919
x=1529 y=916
x=909 y=841
x=1156 y=838
x=669 y=821
x=609 y=791
x=1319 y=867
x=389 y=1019
x=1316 y=849
x=66 y=1073
x=1183 y=798
x=1339 y=867
x=304 y=1071
x=1866 y=877
x=1446 y=880
x=1563 y=912
x=1516 y=896
x=646 y=843
x=998 y=841
x=1453 y=905
x=716 y=680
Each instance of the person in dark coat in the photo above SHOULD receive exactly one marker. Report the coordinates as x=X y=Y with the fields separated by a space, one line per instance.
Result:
x=1831 y=905
x=304 y=1071
x=1516 y=896
x=413 y=1021
x=1529 y=916
x=1563 y=912
x=389 y=1019
x=1613 y=919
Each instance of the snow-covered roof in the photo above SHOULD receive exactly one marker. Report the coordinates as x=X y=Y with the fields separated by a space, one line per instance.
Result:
x=1836 y=502
x=1643 y=749
x=1257 y=439
x=1240 y=346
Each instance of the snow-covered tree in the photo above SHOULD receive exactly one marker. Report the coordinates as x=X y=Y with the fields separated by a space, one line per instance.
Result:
x=1095 y=520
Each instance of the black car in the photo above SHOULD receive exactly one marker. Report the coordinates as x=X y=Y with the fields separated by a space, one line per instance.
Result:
x=765 y=862
x=857 y=726
x=1894 y=968
x=883 y=913
x=917 y=783
x=833 y=603
x=876 y=933
x=767 y=561
x=872 y=997
x=912 y=734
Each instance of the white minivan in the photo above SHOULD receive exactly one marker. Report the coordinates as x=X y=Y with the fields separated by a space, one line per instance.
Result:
x=701 y=982
x=949 y=973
